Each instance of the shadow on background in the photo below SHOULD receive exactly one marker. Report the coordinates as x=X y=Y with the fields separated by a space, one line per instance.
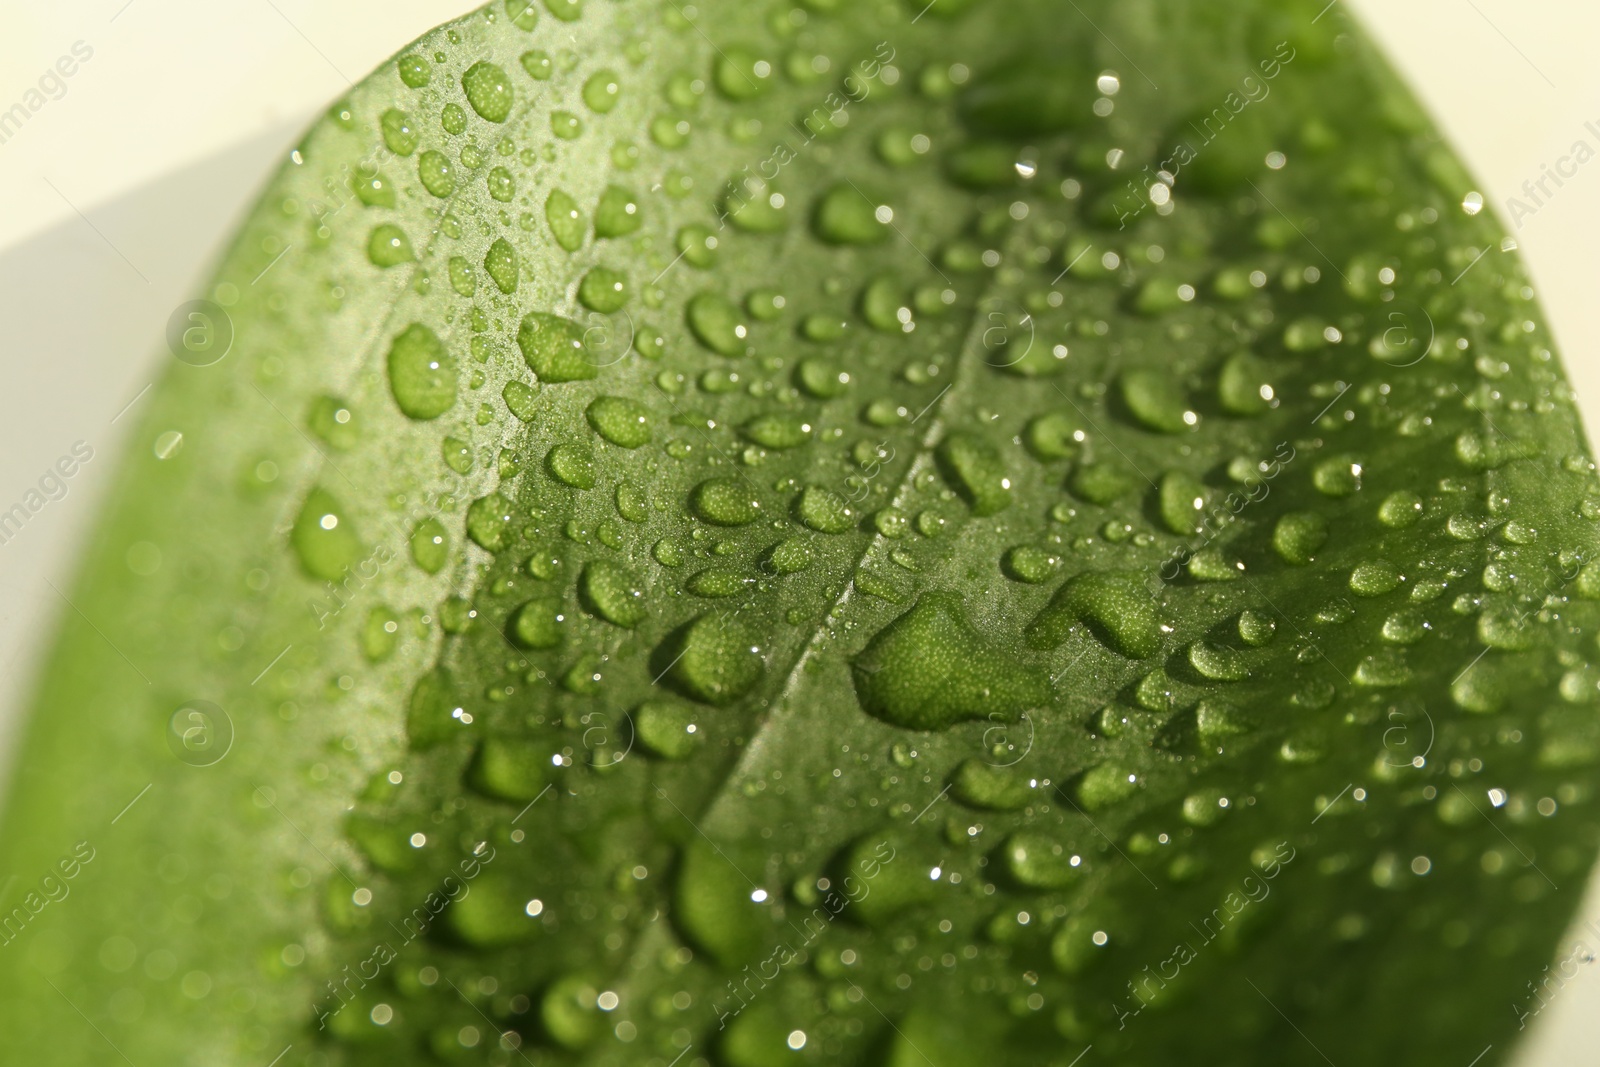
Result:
x=83 y=314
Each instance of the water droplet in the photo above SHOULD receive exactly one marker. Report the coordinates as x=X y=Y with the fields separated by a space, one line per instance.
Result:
x=623 y=422
x=1242 y=386
x=718 y=582
x=1217 y=720
x=1400 y=510
x=571 y=464
x=1218 y=662
x=422 y=373
x=1051 y=437
x=489 y=91
x=323 y=537
x=521 y=400
x=538 y=64
x=1029 y=563
x=1182 y=503
x=502 y=185
x=501 y=265
x=437 y=173
x=618 y=213
x=789 y=557
x=846 y=216
x=554 y=349
x=980 y=784
x=457 y=454
x=1405 y=627
x=1256 y=628
x=1375 y=578
x=931 y=668
x=715 y=659
x=604 y=290
x=1156 y=402
x=1105 y=785
x=718 y=324
x=566 y=222
x=1385 y=667
x=821 y=378
x=489 y=522
x=523 y=14
x=667 y=729
x=1101 y=483
x=414 y=70
x=398 y=134
x=566 y=125
x=740 y=74
x=778 y=431
x=976 y=471
x=1299 y=536
x=1115 y=606
x=726 y=502
x=1505 y=628
x=602 y=91
x=453 y=118
x=539 y=623
x=1039 y=862
x=430 y=545
x=1204 y=808
x=1337 y=477
x=609 y=592
x=824 y=510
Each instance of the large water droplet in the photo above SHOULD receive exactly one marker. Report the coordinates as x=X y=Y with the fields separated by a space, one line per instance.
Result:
x=1156 y=402
x=667 y=729
x=609 y=592
x=1299 y=536
x=422 y=373
x=554 y=348
x=974 y=467
x=931 y=668
x=566 y=222
x=726 y=502
x=1039 y=862
x=571 y=464
x=539 y=623
x=1116 y=606
x=715 y=659
x=718 y=324
x=847 y=216
x=980 y=784
x=618 y=213
x=489 y=522
x=501 y=265
x=824 y=510
x=323 y=537
x=623 y=422
x=489 y=91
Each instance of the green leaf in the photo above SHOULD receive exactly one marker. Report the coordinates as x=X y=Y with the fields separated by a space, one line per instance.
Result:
x=859 y=534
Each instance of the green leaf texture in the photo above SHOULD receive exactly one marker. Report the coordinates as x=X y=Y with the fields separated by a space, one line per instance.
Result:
x=888 y=534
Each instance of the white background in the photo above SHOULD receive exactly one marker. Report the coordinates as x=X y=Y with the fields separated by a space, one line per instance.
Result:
x=116 y=195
